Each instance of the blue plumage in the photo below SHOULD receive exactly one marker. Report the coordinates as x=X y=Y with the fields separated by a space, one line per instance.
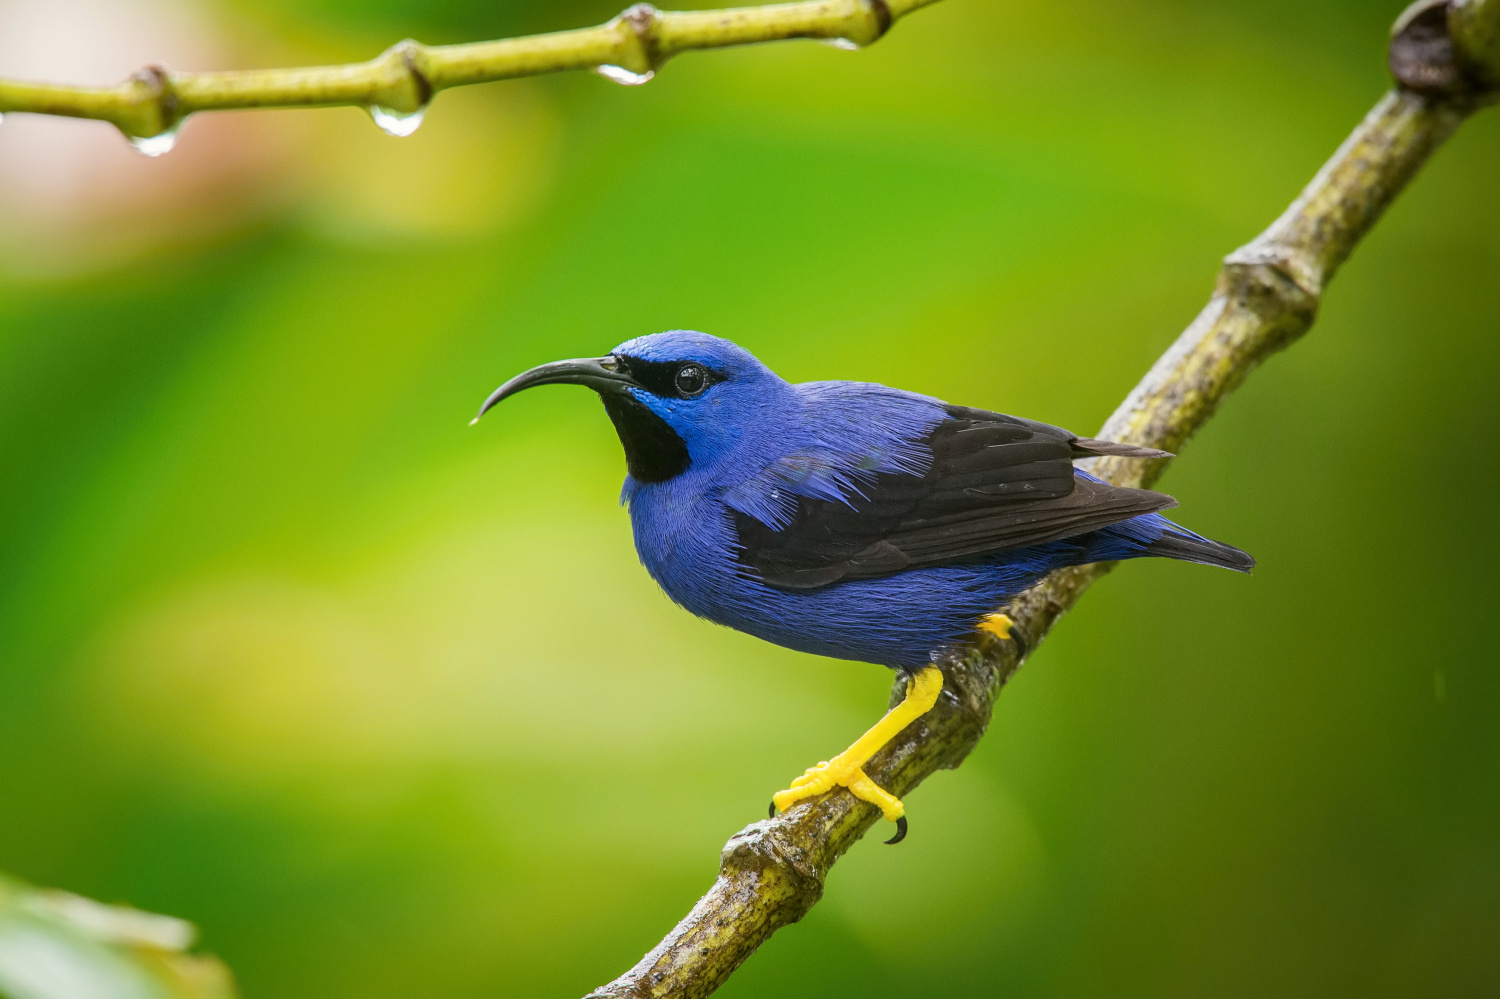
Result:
x=850 y=519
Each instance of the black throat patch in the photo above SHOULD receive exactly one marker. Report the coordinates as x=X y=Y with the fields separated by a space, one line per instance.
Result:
x=653 y=451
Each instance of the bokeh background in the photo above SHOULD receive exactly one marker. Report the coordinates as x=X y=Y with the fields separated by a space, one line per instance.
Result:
x=386 y=705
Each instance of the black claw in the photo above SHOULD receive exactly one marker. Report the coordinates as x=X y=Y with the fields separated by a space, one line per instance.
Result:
x=900 y=832
x=1021 y=647
x=773 y=808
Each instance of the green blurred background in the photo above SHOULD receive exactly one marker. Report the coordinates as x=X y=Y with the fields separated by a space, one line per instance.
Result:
x=386 y=705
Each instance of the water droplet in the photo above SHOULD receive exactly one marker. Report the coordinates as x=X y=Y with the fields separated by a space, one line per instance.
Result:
x=397 y=123
x=841 y=43
x=156 y=145
x=625 y=77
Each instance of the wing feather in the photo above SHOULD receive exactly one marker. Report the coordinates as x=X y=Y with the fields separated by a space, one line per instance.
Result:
x=995 y=483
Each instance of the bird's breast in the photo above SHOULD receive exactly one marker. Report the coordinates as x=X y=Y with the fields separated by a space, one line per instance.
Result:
x=685 y=538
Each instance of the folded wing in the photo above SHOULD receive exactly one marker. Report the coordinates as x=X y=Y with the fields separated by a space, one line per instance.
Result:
x=995 y=483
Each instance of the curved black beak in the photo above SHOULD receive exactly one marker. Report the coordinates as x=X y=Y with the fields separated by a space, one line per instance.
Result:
x=602 y=374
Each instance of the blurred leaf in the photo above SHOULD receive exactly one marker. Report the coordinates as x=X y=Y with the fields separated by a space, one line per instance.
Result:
x=56 y=945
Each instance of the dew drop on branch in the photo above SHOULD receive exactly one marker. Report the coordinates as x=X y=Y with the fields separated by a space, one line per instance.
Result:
x=397 y=123
x=841 y=43
x=156 y=145
x=625 y=77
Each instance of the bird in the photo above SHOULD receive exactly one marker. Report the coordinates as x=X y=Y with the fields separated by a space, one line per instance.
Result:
x=851 y=519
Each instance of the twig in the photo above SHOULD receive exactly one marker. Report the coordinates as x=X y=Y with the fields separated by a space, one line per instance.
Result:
x=404 y=79
x=1446 y=58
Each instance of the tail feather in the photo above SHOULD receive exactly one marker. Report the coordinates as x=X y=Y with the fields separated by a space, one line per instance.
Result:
x=1084 y=446
x=1191 y=548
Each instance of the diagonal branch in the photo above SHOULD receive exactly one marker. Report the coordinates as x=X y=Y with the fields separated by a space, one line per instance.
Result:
x=405 y=78
x=1446 y=58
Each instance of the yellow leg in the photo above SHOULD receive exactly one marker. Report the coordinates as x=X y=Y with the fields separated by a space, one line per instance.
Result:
x=847 y=768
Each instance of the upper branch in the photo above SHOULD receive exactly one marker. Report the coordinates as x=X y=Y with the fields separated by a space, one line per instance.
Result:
x=406 y=76
x=1445 y=55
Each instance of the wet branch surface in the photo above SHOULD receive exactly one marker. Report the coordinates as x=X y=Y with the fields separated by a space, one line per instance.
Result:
x=1445 y=56
x=403 y=80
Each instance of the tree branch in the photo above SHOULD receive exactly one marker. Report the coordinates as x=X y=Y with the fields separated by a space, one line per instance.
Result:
x=404 y=79
x=1445 y=55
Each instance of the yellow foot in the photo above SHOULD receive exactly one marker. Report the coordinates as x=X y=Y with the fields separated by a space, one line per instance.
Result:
x=998 y=625
x=841 y=771
x=847 y=768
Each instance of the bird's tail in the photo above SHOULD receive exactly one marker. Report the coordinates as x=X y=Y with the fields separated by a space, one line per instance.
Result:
x=1188 y=547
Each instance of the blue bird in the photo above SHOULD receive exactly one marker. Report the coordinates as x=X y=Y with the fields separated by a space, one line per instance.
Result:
x=849 y=519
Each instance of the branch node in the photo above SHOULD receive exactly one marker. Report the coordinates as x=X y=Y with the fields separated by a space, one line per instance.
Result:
x=643 y=53
x=1271 y=282
x=155 y=105
x=404 y=85
x=411 y=54
x=1421 y=55
x=1447 y=48
x=880 y=13
x=762 y=846
x=866 y=23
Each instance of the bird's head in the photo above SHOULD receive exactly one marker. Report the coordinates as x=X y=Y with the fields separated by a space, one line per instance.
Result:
x=676 y=399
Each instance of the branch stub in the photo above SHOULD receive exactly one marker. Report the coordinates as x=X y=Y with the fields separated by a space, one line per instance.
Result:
x=1447 y=48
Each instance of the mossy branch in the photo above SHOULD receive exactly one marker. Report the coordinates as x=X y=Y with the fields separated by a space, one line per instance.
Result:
x=408 y=75
x=1445 y=55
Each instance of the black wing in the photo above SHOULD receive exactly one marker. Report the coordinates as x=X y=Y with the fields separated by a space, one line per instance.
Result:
x=996 y=482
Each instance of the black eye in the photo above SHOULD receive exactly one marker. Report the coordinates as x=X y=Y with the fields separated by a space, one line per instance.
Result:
x=691 y=380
